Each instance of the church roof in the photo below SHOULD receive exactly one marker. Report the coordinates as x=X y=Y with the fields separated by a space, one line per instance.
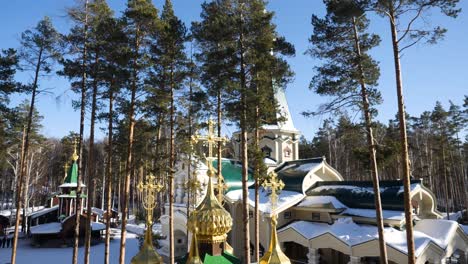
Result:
x=72 y=176
x=292 y=173
x=224 y=258
x=232 y=173
x=360 y=194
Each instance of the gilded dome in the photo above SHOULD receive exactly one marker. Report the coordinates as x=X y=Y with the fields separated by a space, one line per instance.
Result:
x=211 y=219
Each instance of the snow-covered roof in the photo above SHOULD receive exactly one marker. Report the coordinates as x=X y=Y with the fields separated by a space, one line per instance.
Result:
x=73 y=184
x=98 y=211
x=465 y=228
x=269 y=161
x=370 y=213
x=49 y=228
x=311 y=201
x=43 y=212
x=97 y=226
x=29 y=211
x=441 y=231
x=286 y=199
x=352 y=234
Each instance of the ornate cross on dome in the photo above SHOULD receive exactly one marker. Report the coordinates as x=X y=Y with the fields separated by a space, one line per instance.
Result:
x=211 y=139
x=274 y=253
x=148 y=189
x=275 y=185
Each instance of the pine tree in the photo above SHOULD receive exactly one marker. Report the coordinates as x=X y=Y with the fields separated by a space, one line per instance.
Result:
x=8 y=66
x=169 y=70
x=75 y=68
x=40 y=48
x=405 y=33
x=349 y=75
x=113 y=77
x=235 y=39
x=141 y=19
x=99 y=15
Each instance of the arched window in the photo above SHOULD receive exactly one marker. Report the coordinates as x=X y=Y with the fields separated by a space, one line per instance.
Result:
x=287 y=152
x=267 y=151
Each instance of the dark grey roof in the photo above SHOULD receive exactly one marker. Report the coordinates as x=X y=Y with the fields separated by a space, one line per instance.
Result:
x=292 y=173
x=360 y=194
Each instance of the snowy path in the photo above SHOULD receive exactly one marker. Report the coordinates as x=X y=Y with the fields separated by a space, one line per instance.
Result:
x=28 y=254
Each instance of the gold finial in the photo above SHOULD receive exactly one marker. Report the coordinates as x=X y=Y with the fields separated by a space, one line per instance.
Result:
x=194 y=256
x=65 y=167
x=148 y=189
x=75 y=155
x=274 y=255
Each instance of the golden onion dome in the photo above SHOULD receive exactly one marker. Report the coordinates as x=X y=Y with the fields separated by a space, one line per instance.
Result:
x=212 y=221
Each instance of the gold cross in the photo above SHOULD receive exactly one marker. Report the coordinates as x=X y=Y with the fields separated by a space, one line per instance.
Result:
x=275 y=185
x=75 y=155
x=194 y=187
x=210 y=138
x=66 y=166
x=148 y=190
x=221 y=186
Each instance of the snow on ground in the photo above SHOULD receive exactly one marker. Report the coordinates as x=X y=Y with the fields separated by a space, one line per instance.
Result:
x=28 y=254
x=285 y=198
x=140 y=229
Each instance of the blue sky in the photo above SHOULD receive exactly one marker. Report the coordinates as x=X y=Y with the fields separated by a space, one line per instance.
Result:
x=430 y=73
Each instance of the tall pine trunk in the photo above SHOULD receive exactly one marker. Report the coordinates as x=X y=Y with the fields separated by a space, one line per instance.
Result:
x=371 y=146
x=403 y=140
x=109 y=176
x=91 y=165
x=171 y=173
x=244 y=153
x=19 y=184
x=128 y=165
x=257 y=177
x=78 y=204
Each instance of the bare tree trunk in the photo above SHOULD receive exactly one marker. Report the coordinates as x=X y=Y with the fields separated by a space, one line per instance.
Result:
x=372 y=149
x=19 y=185
x=404 y=141
x=109 y=176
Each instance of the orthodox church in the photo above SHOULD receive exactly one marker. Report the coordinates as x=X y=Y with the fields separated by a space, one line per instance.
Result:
x=54 y=226
x=319 y=217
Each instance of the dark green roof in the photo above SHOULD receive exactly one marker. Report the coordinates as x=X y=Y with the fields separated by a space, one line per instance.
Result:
x=292 y=173
x=225 y=258
x=232 y=173
x=72 y=175
x=360 y=194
